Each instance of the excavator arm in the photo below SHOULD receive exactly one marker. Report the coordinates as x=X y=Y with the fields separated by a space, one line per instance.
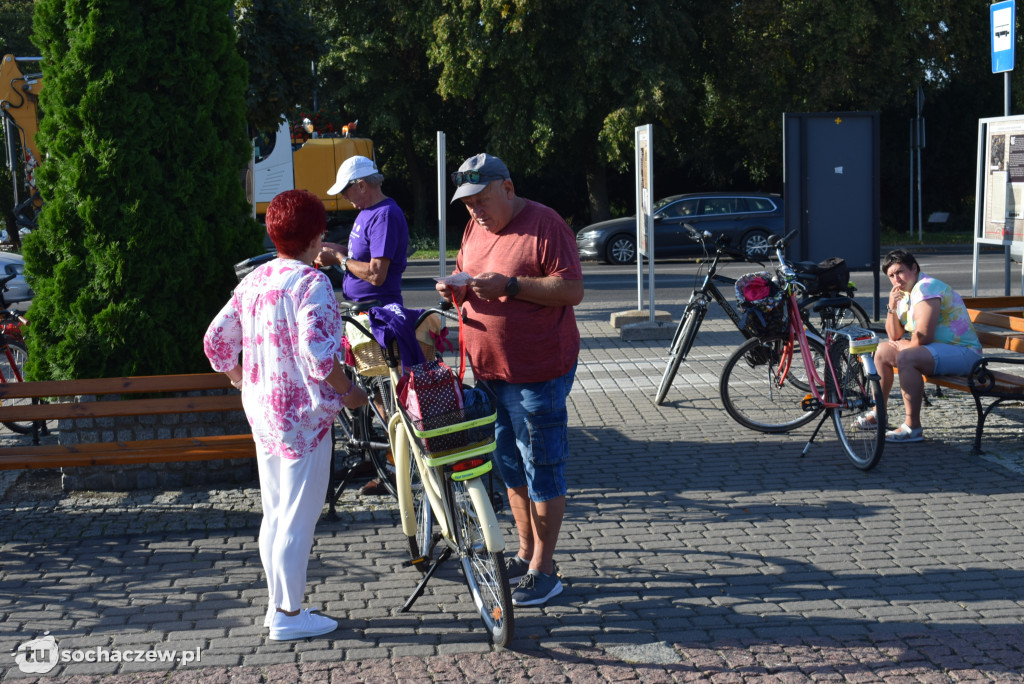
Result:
x=19 y=109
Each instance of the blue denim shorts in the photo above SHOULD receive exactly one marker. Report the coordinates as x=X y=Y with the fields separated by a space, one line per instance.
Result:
x=532 y=434
x=952 y=359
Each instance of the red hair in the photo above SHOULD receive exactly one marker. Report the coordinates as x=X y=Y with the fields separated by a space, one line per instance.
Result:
x=294 y=219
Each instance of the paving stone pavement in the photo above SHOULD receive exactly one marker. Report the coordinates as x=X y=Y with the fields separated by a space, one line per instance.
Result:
x=692 y=550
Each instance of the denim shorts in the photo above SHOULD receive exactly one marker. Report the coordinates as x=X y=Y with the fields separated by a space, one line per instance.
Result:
x=532 y=434
x=952 y=359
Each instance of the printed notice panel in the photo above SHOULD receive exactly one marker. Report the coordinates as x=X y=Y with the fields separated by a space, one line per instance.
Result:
x=1004 y=180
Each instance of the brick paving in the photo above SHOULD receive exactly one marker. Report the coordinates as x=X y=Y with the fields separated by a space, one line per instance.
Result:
x=692 y=550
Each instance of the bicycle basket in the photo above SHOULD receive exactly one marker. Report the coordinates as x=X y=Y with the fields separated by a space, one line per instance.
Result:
x=468 y=428
x=368 y=355
x=762 y=304
x=830 y=275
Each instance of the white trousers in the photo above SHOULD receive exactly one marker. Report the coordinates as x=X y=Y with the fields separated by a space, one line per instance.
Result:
x=293 y=493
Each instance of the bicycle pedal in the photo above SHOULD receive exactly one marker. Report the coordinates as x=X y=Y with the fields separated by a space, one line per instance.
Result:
x=809 y=403
x=415 y=562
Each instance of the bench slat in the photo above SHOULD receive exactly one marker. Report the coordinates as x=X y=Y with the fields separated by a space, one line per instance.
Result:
x=145 y=383
x=1001 y=302
x=995 y=339
x=120 y=453
x=125 y=407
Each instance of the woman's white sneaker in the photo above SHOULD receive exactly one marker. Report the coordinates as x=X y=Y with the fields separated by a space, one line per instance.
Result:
x=305 y=624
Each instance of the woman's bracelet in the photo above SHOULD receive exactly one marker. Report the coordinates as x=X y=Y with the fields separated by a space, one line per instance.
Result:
x=236 y=384
x=347 y=392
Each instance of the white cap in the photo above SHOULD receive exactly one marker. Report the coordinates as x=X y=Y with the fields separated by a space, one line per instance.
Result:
x=352 y=169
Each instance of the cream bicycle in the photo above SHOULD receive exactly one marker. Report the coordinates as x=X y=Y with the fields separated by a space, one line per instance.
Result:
x=451 y=455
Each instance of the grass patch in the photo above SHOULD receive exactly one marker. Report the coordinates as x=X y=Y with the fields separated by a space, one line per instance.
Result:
x=930 y=237
x=433 y=254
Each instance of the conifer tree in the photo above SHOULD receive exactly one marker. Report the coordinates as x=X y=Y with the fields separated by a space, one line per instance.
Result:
x=144 y=141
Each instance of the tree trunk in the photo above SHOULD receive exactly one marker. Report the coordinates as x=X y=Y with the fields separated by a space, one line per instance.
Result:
x=597 y=191
x=419 y=198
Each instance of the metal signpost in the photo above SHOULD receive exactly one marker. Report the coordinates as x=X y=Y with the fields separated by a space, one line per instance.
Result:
x=993 y=184
x=442 y=206
x=643 y=138
x=917 y=143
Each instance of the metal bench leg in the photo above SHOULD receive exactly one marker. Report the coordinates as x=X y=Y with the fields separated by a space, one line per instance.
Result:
x=980 y=427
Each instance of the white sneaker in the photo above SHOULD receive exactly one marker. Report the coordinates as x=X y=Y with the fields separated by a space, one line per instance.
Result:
x=269 y=619
x=305 y=624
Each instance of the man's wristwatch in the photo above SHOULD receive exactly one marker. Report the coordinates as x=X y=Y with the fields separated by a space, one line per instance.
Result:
x=890 y=309
x=512 y=287
x=344 y=264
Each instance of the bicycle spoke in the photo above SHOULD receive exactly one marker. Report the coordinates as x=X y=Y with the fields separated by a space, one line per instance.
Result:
x=685 y=335
x=857 y=394
x=484 y=571
x=758 y=396
x=12 y=364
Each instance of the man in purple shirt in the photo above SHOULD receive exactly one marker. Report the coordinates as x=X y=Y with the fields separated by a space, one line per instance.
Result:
x=375 y=258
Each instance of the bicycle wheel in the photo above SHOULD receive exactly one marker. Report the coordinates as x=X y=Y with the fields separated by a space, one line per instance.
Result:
x=484 y=570
x=833 y=317
x=422 y=545
x=758 y=396
x=682 y=342
x=859 y=395
x=373 y=434
x=18 y=355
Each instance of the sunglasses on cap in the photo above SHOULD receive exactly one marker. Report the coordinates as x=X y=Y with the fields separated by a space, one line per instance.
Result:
x=460 y=178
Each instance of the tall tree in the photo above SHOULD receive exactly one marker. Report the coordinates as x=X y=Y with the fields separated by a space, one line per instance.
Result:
x=561 y=81
x=768 y=57
x=16 y=27
x=376 y=71
x=280 y=43
x=145 y=213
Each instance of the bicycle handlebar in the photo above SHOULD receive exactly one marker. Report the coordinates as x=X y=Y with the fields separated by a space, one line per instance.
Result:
x=782 y=242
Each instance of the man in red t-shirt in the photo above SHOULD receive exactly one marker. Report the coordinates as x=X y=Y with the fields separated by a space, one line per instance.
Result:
x=523 y=344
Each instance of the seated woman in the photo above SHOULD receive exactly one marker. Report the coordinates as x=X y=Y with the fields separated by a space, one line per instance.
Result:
x=941 y=339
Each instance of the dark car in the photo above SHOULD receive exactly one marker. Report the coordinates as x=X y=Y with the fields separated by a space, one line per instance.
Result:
x=748 y=218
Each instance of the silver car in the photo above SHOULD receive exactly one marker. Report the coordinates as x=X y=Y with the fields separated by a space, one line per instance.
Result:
x=747 y=218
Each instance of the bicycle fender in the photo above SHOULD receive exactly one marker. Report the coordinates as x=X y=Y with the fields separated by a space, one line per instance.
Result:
x=488 y=521
x=400 y=450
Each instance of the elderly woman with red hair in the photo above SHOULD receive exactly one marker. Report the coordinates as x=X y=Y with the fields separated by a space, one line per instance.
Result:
x=284 y=321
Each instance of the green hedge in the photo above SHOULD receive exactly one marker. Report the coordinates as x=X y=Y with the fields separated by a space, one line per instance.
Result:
x=144 y=139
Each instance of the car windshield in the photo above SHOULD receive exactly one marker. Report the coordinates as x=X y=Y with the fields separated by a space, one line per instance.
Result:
x=662 y=202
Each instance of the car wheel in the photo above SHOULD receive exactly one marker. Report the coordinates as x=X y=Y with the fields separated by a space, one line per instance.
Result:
x=621 y=249
x=756 y=242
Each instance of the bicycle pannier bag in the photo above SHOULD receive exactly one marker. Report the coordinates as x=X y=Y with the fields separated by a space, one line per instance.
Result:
x=833 y=274
x=430 y=393
x=762 y=304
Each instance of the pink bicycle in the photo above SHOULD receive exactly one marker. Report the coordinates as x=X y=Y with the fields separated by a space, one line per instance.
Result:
x=762 y=389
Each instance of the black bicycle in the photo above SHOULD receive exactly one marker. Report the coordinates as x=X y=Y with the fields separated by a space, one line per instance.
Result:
x=697 y=307
x=362 y=446
x=815 y=291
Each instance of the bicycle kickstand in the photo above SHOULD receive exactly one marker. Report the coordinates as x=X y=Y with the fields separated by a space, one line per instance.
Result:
x=422 y=586
x=825 y=415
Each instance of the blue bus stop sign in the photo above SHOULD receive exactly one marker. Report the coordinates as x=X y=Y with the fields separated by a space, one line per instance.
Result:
x=1003 y=20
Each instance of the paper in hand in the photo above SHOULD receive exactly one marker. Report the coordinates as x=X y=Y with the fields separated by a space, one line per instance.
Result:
x=460 y=279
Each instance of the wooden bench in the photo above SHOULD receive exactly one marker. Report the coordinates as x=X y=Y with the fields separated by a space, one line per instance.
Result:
x=999 y=322
x=73 y=399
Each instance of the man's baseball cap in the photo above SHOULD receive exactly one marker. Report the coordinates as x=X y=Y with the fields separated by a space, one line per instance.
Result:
x=476 y=172
x=351 y=170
